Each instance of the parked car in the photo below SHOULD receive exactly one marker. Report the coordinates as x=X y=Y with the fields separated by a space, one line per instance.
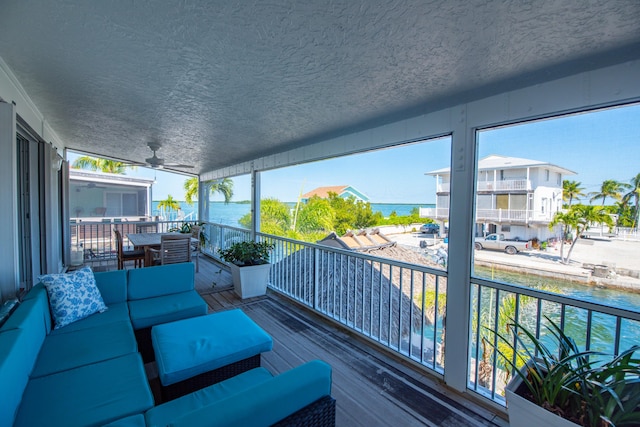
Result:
x=499 y=243
x=430 y=228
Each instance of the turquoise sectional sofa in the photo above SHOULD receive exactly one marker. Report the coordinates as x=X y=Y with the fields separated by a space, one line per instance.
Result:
x=90 y=372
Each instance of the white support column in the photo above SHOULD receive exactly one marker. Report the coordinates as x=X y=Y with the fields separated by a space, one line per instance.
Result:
x=202 y=203
x=255 y=203
x=459 y=268
x=9 y=262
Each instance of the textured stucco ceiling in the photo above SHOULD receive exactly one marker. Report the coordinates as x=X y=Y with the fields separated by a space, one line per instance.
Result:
x=219 y=82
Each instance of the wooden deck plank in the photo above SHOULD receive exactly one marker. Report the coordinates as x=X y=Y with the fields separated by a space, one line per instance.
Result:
x=293 y=346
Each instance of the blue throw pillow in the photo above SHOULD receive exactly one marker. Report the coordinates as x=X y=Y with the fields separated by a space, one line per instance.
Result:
x=72 y=296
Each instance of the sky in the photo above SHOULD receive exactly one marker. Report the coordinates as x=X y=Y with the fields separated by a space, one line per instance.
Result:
x=597 y=146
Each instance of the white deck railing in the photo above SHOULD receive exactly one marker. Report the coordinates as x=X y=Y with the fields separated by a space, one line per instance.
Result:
x=506 y=185
x=96 y=239
x=499 y=215
x=519 y=215
x=494 y=305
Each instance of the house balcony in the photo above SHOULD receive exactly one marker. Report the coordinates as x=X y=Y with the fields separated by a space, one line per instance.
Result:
x=493 y=186
x=380 y=323
x=521 y=216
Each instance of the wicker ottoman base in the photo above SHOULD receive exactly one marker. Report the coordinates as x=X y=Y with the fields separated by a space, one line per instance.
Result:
x=321 y=413
x=173 y=391
x=145 y=348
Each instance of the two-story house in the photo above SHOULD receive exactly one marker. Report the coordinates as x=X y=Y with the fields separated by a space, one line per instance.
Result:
x=514 y=196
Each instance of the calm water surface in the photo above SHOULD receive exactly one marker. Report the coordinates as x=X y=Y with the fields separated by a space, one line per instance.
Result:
x=576 y=319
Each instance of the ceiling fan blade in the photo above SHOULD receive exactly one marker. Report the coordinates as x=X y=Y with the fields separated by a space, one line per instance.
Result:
x=177 y=165
x=156 y=162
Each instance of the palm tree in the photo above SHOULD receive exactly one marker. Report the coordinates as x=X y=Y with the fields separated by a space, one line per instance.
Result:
x=223 y=186
x=169 y=203
x=579 y=218
x=571 y=190
x=635 y=194
x=103 y=165
x=609 y=188
x=191 y=189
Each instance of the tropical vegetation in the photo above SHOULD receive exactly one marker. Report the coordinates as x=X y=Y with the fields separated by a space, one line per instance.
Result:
x=170 y=204
x=247 y=253
x=222 y=186
x=609 y=188
x=625 y=206
x=587 y=387
x=575 y=221
x=317 y=217
x=102 y=165
x=634 y=194
x=571 y=190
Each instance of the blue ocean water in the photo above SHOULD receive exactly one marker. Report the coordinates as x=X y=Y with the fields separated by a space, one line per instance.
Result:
x=230 y=213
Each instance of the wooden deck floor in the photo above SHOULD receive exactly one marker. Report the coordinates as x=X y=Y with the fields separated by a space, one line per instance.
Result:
x=371 y=388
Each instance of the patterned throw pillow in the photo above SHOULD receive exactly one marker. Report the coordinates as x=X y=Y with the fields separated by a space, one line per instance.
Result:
x=73 y=296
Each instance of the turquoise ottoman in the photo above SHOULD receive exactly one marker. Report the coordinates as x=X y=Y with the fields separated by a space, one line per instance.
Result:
x=194 y=353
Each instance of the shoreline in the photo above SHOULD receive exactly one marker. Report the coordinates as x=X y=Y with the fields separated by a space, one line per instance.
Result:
x=614 y=256
x=586 y=278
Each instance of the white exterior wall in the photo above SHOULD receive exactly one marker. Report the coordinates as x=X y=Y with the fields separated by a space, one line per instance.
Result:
x=512 y=174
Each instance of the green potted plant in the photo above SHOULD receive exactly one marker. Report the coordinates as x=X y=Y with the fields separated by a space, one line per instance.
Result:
x=249 y=263
x=562 y=385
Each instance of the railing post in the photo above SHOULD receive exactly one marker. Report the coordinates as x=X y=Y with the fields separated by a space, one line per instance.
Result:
x=316 y=268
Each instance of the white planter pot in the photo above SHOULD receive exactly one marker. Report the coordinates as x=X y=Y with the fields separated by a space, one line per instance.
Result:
x=250 y=281
x=524 y=413
x=77 y=257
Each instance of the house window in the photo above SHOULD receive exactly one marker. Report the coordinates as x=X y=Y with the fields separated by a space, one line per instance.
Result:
x=559 y=180
x=121 y=204
x=543 y=204
x=546 y=174
x=505 y=228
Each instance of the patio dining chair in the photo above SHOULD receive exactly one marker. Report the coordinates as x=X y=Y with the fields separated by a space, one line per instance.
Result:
x=174 y=248
x=136 y=255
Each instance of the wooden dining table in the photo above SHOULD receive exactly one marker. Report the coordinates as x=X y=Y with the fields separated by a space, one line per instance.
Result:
x=150 y=240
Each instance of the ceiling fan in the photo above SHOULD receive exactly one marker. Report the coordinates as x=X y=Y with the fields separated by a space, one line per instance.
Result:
x=157 y=163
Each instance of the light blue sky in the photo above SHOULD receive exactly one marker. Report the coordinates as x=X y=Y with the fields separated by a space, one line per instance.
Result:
x=597 y=146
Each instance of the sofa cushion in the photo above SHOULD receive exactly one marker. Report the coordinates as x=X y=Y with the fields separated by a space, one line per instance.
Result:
x=61 y=352
x=72 y=296
x=162 y=414
x=264 y=403
x=162 y=309
x=152 y=282
x=116 y=313
x=32 y=315
x=90 y=395
x=17 y=356
x=132 y=421
x=35 y=291
x=112 y=285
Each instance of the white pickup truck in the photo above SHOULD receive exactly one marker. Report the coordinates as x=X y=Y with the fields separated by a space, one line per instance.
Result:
x=499 y=243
